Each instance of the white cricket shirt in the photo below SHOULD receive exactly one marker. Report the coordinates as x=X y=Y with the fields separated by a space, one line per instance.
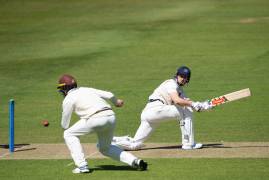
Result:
x=165 y=89
x=84 y=102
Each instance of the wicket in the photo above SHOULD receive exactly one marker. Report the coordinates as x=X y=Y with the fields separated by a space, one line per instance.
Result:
x=11 y=125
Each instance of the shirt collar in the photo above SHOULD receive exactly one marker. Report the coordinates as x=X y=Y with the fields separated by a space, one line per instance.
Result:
x=71 y=90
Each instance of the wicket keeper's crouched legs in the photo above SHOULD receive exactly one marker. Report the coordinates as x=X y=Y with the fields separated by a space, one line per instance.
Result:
x=103 y=124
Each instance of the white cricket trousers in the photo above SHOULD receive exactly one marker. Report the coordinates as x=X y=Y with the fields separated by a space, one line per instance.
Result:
x=157 y=112
x=102 y=124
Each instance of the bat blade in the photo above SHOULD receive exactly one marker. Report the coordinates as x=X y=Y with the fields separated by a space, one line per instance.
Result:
x=231 y=97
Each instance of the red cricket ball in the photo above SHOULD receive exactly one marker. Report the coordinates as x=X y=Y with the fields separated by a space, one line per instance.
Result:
x=45 y=123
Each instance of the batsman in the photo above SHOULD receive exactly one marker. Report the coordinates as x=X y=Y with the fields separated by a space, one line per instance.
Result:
x=167 y=102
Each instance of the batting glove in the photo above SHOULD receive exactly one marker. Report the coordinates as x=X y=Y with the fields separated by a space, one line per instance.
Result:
x=197 y=106
x=206 y=105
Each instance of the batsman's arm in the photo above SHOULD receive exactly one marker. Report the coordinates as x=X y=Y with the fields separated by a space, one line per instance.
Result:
x=180 y=101
x=197 y=106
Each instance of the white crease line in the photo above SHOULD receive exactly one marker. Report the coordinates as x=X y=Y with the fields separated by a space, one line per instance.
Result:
x=92 y=154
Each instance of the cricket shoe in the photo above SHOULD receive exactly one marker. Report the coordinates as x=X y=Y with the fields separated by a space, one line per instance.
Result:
x=140 y=165
x=83 y=169
x=194 y=146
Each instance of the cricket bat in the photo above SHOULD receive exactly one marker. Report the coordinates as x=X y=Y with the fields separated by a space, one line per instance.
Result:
x=230 y=97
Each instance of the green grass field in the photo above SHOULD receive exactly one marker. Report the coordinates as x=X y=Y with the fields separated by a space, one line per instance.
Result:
x=185 y=169
x=129 y=47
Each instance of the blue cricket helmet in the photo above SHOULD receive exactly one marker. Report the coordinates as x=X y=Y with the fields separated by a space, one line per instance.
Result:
x=184 y=72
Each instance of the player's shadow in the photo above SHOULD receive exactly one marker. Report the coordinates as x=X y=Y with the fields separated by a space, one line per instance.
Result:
x=162 y=147
x=6 y=146
x=216 y=145
x=113 y=168
x=212 y=145
x=17 y=147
